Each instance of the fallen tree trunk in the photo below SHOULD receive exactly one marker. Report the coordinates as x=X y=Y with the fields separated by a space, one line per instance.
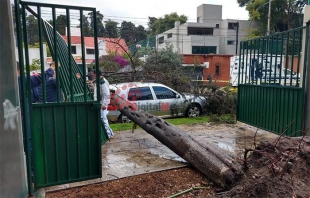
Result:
x=217 y=164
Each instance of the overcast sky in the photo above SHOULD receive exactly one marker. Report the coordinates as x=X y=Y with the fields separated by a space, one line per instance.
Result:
x=138 y=11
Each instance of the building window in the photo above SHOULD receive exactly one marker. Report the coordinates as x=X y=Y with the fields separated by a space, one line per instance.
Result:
x=198 y=19
x=231 y=42
x=73 y=49
x=169 y=35
x=161 y=40
x=217 y=26
x=203 y=49
x=232 y=26
x=90 y=51
x=217 y=70
x=199 y=31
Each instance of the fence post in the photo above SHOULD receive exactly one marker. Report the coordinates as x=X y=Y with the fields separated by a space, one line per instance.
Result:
x=12 y=173
x=306 y=120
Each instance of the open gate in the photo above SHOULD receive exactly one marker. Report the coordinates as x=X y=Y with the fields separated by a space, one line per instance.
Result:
x=64 y=137
x=271 y=81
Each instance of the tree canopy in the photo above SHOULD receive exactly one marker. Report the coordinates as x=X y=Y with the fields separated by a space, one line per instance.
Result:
x=132 y=34
x=160 y=25
x=285 y=15
x=166 y=65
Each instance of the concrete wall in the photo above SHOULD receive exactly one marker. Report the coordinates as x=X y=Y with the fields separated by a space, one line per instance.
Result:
x=230 y=35
x=223 y=61
x=12 y=164
x=101 y=48
x=182 y=42
x=206 y=12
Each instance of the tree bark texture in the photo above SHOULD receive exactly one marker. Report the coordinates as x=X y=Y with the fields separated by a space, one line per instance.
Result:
x=217 y=164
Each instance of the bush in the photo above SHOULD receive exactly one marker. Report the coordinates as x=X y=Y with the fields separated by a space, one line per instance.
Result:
x=221 y=100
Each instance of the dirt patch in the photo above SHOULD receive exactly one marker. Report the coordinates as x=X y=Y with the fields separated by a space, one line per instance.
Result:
x=277 y=168
x=158 y=184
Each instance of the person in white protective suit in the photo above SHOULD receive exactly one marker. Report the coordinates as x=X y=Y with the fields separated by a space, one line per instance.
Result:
x=104 y=100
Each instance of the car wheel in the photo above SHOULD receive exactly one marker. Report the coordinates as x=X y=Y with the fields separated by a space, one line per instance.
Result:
x=123 y=119
x=194 y=110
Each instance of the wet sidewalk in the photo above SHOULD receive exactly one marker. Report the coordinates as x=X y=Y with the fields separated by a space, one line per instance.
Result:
x=130 y=154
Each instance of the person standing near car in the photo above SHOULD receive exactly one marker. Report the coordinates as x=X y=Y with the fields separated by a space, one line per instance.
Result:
x=104 y=100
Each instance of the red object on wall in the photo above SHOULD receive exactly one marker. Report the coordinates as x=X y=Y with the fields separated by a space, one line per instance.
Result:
x=219 y=66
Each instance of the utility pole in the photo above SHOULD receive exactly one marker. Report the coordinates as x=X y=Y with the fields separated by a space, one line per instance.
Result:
x=237 y=36
x=269 y=14
x=182 y=42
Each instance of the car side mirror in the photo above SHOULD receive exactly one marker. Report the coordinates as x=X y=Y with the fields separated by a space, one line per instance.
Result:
x=178 y=96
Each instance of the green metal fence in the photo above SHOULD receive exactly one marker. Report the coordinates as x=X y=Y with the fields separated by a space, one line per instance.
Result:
x=271 y=81
x=64 y=136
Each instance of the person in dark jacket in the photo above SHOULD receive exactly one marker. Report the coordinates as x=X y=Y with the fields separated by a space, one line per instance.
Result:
x=35 y=82
x=51 y=87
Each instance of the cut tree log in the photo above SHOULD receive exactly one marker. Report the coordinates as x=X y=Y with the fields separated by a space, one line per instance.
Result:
x=221 y=166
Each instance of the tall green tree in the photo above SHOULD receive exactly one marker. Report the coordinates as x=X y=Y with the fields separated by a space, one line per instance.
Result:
x=127 y=32
x=166 y=67
x=61 y=24
x=100 y=27
x=285 y=14
x=140 y=33
x=111 y=29
x=132 y=34
x=32 y=30
x=160 y=25
x=86 y=26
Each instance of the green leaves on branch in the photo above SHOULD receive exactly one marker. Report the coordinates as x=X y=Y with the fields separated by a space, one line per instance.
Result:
x=285 y=15
x=160 y=25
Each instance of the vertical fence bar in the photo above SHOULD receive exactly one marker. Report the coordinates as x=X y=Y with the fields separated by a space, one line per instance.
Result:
x=271 y=80
x=241 y=61
x=238 y=93
x=250 y=62
x=281 y=59
x=266 y=57
x=83 y=52
x=306 y=89
x=262 y=59
x=276 y=60
x=69 y=55
x=293 y=57
x=41 y=55
x=245 y=64
x=286 y=56
x=26 y=116
x=299 y=55
x=257 y=63
x=56 y=55
x=97 y=85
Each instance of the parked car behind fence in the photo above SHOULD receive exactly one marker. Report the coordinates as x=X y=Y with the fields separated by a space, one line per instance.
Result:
x=156 y=99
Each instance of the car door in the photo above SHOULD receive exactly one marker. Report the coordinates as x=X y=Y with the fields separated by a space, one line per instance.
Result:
x=168 y=101
x=142 y=98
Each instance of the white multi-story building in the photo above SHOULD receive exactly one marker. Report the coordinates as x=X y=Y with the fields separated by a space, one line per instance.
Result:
x=209 y=35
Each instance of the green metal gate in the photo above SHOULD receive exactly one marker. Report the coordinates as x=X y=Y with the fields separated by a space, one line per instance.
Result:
x=271 y=81
x=63 y=137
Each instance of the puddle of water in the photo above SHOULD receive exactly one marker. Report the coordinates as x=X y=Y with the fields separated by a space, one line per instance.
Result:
x=226 y=146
